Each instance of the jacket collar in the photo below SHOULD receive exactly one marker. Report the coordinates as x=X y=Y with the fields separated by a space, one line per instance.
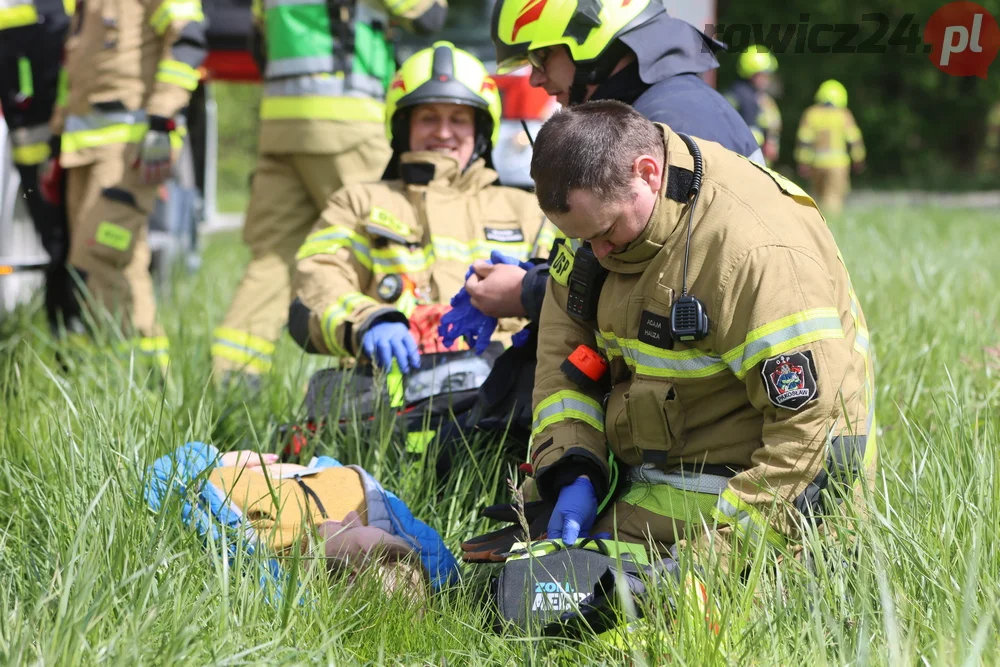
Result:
x=434 y=170
x=667 y=213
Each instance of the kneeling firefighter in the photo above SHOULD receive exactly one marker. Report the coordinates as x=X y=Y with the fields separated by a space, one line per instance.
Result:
x=736 y=402
x=377 y=271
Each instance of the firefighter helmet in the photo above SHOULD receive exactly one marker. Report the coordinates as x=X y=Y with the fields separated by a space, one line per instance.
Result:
x=443 y=73
x=832 y=92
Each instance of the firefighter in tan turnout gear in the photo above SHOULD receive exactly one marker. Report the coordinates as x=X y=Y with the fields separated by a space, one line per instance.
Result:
x=326 y=67
x=738 y=392
x=131 y=66
x=381 y=264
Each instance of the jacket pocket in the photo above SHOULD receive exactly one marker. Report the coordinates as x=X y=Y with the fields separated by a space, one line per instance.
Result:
x=616 y=425
x=656 y=418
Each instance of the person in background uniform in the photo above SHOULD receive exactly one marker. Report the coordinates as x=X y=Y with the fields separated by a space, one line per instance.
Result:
x=829 y=145
x=326 y=66
x=377 y=272
x=131 y=66
x=630 y=52
x=32 y=33
x=750 y=410
x=750 y=98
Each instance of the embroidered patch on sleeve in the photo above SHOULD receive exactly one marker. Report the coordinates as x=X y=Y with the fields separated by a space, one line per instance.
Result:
x=790 y=380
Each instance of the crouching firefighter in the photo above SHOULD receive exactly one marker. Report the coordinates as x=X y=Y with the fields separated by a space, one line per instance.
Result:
x=377 y=271
x=738 y=400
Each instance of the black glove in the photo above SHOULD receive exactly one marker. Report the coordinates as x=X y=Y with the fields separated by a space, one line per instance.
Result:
x=494 y=547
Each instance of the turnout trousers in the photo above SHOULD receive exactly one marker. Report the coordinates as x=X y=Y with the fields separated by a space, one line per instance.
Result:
x=108 y=215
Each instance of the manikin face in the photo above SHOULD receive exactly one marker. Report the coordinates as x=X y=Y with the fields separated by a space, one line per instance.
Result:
x=611 y=225
x=449 y=129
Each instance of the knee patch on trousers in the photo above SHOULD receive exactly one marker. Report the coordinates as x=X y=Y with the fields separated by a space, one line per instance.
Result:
x=114 y=234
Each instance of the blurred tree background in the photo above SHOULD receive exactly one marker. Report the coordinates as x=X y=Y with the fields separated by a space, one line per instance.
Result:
x=923 y=128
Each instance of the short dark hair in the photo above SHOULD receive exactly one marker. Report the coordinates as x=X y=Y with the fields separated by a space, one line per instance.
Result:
x=590 y=147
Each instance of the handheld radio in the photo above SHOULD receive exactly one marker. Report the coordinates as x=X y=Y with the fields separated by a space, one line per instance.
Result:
x=688 y=317
x=585 y=282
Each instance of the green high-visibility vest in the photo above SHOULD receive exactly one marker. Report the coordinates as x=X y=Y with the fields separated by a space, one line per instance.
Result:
x=302 y=40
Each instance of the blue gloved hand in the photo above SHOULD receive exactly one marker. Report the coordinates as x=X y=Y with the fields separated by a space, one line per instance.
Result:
x=466 y=320
x=497 y=257
x=391 y=339
x=574 y=513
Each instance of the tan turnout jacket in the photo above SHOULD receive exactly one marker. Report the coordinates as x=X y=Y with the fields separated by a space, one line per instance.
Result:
x=423 y=231
x=781 y=391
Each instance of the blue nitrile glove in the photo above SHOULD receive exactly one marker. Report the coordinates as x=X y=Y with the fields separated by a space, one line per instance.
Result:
x=498 y=257
x=391 y=339
x=466 y=320
x=574 y=513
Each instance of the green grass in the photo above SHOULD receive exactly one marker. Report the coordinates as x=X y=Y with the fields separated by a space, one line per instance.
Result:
x=89 y=575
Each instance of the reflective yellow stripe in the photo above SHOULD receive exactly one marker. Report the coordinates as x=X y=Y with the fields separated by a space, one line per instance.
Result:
x=665 y=500
x=157 y=347
x=564 y=405
x=244 y=340
x=322 y=108
x=329 y=240
x=154 y=344
x=31 y=154
x=782 y=335
x=114 y=134
x=241 y=357
x=69 y=6
x=401 y=7
x=250 y=352
x=401 y=259
x=745 y=519
x=177 y=73
x=337 y=313
x=18 y=17
x=175 y=10
x=649 y=360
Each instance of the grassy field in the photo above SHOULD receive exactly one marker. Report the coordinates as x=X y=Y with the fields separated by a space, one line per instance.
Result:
x=88 y=574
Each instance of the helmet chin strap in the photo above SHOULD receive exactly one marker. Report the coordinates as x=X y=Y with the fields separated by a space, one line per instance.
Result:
x=597 y=73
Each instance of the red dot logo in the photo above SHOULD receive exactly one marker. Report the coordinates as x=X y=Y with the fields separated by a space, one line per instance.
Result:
x=964 y=39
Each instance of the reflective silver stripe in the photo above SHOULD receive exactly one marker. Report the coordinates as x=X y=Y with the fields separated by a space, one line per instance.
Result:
x=25 y=136
x=781 y=336
x=11 y=4
x=567 y=404
x=644 y=360
x=96 y=120
x=647 y=473
x=324 y=86
x=297 y=66
x=862 y=341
